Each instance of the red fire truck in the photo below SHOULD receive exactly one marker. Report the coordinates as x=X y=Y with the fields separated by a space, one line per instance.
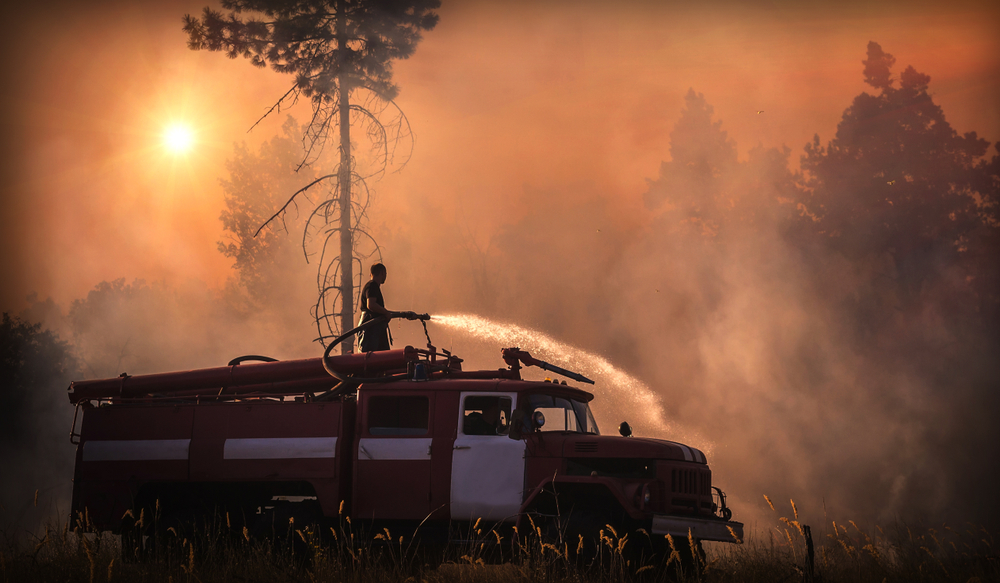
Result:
x=401 y=438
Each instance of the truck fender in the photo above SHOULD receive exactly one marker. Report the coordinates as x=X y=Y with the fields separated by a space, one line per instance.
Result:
x=522 y=511
x=531 y=498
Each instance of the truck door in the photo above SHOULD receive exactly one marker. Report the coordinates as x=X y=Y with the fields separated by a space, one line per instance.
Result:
x=487 y=474
x=393 y=456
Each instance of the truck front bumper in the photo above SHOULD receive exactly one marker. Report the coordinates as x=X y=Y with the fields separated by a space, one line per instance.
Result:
x=699 y=528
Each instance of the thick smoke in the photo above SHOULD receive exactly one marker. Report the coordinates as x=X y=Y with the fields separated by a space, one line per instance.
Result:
x=746 y=351
x=812 y=376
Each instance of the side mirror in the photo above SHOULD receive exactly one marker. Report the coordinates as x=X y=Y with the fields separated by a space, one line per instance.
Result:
x=516 y=424
x=625 y=429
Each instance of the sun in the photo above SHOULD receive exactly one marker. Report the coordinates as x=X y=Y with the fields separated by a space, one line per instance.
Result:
x=178 y=138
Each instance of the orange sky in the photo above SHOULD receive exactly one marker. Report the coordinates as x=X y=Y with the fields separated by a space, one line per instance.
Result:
x=505 y=98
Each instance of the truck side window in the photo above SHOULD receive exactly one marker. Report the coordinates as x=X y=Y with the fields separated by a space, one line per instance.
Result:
x=562 y=414
x=486 y=415
x=398 y=415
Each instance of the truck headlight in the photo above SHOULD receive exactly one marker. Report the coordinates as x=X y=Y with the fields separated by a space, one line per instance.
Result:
x=646 y=496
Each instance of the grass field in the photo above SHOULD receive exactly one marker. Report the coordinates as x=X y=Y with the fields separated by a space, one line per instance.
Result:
x=840 y=553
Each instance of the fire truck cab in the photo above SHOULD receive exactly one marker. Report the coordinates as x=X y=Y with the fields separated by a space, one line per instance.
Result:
x=416 y=443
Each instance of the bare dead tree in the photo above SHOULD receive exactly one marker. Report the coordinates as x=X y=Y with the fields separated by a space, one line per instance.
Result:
x=339 y=50
x=390 y=144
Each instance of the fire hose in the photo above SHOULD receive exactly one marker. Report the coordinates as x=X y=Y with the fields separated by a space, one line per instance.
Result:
x=380 y=321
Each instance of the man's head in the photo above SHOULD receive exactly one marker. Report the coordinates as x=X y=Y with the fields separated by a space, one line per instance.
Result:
x=491 y=414
x=378 y=273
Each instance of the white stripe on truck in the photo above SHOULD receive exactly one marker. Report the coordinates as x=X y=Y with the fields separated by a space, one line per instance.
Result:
x=394 y=448
x=687 y=452
x=135 y=450
x=273 y=448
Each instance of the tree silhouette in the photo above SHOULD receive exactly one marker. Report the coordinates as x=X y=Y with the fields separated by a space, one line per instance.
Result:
x=110 y=329
x=35 y=369
x=692 y=183
x=252 y=190
x=336 y=49
x=707 y=189
x=898 y=181
x=34 y=363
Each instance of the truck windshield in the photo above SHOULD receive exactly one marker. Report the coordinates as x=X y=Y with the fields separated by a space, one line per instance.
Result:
x=562 y=414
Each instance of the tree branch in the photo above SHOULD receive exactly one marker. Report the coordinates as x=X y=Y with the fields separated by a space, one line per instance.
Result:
x=277 y=106
x=285 y=206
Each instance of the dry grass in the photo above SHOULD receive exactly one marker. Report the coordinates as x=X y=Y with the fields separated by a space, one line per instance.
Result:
x=849 y=553
x=842 y=553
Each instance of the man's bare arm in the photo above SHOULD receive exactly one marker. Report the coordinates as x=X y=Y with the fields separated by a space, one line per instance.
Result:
x=377 y=308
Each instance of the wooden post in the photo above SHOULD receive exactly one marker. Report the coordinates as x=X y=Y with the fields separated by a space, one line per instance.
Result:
x=810 y=553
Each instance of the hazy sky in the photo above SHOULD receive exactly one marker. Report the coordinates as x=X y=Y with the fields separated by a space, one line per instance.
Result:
x=504 y=97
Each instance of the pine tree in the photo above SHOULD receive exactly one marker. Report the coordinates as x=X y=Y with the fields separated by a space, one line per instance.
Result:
x=706 y=188
x=898 y=181
x=337 y=50
x=256 y=182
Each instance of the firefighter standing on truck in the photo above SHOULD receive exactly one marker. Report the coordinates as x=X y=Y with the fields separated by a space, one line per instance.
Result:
x=375 y=337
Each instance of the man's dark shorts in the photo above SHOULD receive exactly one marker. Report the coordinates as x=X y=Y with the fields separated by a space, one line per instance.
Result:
x=375 y=338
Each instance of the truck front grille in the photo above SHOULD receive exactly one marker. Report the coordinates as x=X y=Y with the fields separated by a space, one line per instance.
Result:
x=626 y=468
x=696 y=482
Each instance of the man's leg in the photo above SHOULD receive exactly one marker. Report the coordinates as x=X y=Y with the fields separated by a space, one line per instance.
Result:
x=383 y=339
